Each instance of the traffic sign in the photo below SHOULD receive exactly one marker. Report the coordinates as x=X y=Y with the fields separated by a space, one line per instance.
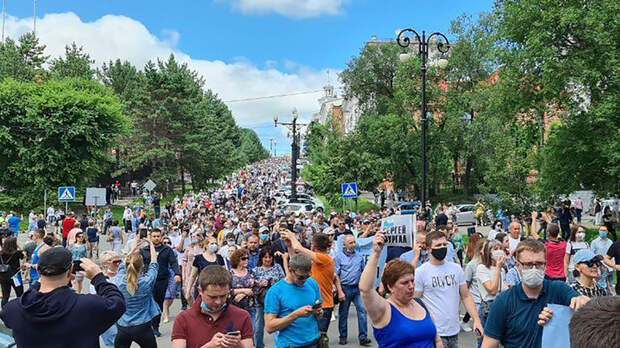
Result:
x=66 y=194
x=95 y=196
x=149 y=185
x=349 y=190
x=300 y=188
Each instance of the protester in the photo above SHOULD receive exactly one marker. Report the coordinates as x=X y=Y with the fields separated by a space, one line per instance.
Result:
x=348 y=267
x=137 y=289
x=556 y=251
x=401 y=320
x=441 y=285
x=596 y=323
x=193 y=249
x=117 y=237
x=293 y=306
x=92 y=239
x=244 y=285
x=419 y=255
x=612 y=259
x=266 y=273
x=473 y=283
x=10 y=276
x=40 y=248
x=586 y=268
x=206 y=258
x=491 y=276
x=78 y=250
x=165 y=259
x=516 y=314
x=322 y=272
x=50 y=314
x=171 y=290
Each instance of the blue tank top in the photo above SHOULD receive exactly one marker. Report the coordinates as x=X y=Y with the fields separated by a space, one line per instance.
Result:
x=35 y=260
x=402 y=332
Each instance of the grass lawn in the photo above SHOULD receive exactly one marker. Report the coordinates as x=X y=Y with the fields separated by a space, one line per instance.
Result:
x=364 y=205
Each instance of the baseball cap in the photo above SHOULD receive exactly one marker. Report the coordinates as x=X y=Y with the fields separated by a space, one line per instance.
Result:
x=263 y=229
x=585 y=255
x=55 y=261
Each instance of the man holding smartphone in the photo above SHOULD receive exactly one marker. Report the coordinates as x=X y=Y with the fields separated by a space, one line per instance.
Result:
x=212 y=322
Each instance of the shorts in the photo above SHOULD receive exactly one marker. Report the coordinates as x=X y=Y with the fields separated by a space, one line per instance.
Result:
x=79 y=277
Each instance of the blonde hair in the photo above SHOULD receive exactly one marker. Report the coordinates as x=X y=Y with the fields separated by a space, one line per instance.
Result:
x=107 y=256
x=134 y=267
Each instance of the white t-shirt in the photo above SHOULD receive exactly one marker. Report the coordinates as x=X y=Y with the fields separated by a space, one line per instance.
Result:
x=492 y=234
x=470 y=277
x=512 y=243
x=439 y=285
x=571 y=249
x=485 y=274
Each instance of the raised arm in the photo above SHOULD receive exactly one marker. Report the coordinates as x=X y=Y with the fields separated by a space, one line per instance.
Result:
x=376 y=306
x=296 y=245
x=533 y=229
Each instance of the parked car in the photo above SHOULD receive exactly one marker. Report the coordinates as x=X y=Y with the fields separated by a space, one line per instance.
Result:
x=466 y=214
x=408 y=208
x=299 y=207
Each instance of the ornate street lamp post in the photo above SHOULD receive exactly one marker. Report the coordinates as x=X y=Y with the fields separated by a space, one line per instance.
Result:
x=404 y=40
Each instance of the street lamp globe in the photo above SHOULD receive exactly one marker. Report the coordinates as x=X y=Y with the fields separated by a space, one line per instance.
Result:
x=294 y=113
x=275 y=120
x=442 y=63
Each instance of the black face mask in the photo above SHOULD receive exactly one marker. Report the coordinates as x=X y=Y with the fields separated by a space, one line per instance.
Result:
x=440 y=253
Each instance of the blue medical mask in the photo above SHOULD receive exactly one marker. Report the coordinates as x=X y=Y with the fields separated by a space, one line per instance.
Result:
x=264 y=237
x=207 y=309
x=603 y=234
x=194 y=240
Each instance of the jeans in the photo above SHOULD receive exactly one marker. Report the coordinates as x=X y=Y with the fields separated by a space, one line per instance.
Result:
x=450 y=341
x=483 y=320
x=141 y=334
x=352 y=294
x=252 y=313
x=109 y=336
x=259 y=328
x=325 y=318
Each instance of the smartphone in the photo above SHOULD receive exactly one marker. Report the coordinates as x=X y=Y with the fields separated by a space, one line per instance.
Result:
x=77 y=266
x=317 y=306
x=478 y=333
x=143 y=233
x=233 y=333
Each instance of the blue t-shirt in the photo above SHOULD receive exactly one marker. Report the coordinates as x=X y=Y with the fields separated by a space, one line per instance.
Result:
x=14 y=223
x=284 y=298
x=513 y=317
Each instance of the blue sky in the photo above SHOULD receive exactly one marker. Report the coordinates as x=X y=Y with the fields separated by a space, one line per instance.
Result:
x=244 y=48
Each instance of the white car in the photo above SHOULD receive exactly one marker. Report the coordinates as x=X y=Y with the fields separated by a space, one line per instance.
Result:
x=466 y=214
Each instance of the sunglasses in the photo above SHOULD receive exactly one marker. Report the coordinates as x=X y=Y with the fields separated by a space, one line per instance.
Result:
x=592 y=263
x=116 y=262
x=245 y=258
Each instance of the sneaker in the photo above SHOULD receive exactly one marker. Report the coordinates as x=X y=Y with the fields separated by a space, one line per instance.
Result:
x=365 y=342
x=342 y=341
x=465 y=327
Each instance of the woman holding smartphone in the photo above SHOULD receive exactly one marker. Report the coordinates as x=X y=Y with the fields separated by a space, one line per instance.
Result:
x=135 y=324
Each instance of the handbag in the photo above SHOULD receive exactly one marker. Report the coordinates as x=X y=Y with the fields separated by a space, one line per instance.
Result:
x=4 y=267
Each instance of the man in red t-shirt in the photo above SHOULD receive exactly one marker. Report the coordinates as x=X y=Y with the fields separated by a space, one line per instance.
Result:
x=67 y=225
x=212 y=322
x=555 y=250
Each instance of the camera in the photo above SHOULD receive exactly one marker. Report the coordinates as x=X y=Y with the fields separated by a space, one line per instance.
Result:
x=77 y=266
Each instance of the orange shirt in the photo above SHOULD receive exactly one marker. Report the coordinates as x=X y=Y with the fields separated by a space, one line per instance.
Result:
x=323 y=273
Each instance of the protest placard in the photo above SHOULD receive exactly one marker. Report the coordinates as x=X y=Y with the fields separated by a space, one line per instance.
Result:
x=399 y=230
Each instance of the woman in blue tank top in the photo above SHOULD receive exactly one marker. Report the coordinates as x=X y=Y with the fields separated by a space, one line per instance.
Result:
x=400 y=321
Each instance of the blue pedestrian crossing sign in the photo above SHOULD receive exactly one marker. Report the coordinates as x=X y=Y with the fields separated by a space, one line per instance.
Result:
x=349 y=190
x=66 y=194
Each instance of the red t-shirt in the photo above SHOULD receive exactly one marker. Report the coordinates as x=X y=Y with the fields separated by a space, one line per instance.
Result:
x=197 y=328
x=555 y=259
x=67 y=225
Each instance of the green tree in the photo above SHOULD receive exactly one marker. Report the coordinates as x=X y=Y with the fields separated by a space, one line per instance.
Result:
x=22 y=60
x=75 y=64
x=58 y=132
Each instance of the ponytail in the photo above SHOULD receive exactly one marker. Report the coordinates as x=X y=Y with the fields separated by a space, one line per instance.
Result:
x=134 y=267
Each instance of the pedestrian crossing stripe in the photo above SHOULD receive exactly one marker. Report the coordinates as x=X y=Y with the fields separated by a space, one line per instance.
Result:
x=66 y=195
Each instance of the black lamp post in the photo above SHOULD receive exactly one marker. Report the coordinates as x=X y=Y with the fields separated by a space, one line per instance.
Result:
x=294 y=149
x=423 y=44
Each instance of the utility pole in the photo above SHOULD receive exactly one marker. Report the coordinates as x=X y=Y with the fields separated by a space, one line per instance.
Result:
x=3 y=18
x=34 y=24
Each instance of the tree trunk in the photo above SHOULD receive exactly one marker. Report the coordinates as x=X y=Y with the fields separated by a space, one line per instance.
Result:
x=456 y=170
x=467 y=178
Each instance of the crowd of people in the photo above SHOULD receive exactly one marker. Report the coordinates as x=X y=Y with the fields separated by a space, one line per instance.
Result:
x=242 y=266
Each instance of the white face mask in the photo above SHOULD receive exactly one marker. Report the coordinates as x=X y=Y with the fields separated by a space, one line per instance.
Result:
x=532 y=278
x=580 y=236
x=497 y=254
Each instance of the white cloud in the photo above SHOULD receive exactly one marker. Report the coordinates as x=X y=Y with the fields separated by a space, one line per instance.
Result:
x=290 y=8
x=111 y=37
